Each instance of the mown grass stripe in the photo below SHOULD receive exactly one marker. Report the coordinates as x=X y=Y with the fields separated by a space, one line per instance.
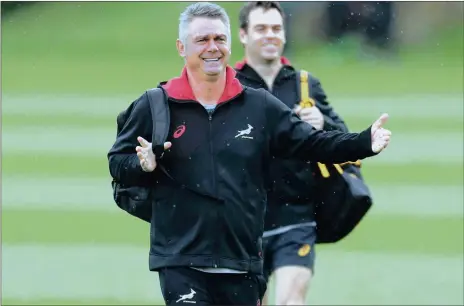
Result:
x=53 y=165
x=406 y=147
x=12 y=122
x=119 y=274
x=399 y=106
x=419 y=234
x=95 y=194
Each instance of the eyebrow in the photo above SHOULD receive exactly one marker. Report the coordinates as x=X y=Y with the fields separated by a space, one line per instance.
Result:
x=208 y=35
x=266 y=25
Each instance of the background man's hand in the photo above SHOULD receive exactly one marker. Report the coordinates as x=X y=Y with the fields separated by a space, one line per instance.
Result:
x=312 y=115
x=146 y=156
x=380 y=137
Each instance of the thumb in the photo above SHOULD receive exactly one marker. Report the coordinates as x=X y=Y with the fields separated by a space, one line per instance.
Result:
x=381 y=121
x=167 y=145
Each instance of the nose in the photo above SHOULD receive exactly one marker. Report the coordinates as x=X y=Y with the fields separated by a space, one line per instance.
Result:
x=212 y=46
x=269 y=33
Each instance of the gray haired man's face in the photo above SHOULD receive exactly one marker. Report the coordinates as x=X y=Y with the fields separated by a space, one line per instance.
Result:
x=208 y=47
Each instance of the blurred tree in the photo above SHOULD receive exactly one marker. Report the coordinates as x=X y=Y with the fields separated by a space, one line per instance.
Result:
x=10 y=6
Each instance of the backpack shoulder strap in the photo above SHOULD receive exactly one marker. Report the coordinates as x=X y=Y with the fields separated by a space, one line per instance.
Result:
x=303 y=86
x=307 y=101
x=161 y=119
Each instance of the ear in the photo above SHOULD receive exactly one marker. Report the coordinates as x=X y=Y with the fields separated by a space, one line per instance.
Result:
x=243 y=36
x=180 y=48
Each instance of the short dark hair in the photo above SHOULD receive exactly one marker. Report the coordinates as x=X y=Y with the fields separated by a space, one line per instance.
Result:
x=250 y=6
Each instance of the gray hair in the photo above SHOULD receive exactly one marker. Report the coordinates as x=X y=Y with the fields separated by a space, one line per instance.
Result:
x=202 y=10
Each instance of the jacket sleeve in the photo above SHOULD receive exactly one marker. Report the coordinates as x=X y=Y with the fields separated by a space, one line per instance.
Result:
x=290 y=137
x=332 y=121
x=124 y=164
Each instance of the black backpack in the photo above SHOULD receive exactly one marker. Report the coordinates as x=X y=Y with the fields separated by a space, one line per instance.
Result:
x=137 y=200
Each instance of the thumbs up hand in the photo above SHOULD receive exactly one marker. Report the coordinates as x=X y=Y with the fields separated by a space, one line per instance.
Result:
x=146 y=156
x=380 y=137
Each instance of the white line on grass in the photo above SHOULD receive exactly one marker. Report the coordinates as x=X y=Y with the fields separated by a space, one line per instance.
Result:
x=404 y=148
x=96 y=195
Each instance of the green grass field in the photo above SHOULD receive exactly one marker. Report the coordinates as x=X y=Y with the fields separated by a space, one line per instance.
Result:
x=69 y=68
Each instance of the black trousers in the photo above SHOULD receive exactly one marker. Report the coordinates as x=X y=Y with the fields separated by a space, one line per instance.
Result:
x=184 y=285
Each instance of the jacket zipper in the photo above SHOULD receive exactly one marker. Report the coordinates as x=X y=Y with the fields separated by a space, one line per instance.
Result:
x=218 y=224
x=213 y=167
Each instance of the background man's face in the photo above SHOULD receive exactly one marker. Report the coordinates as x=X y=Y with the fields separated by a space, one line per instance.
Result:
x=208 y=47
x=265 y=36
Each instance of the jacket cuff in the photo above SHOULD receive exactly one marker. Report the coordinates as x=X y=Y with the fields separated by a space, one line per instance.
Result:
x=365 y=140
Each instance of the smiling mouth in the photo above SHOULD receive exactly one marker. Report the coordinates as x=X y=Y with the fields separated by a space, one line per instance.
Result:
x=212 y=59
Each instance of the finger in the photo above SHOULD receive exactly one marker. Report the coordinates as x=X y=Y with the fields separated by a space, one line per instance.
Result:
x=144 y=143
x=138 y=148
x=382 y=133
x=311 y=120
x=377 y=147
x=140 y=156
x=305 y=118
x=297 y=109
x=385 y=144
x=386 y=133
x=381 y=121
x=307 y=111
x=167 y=145
x=381 y=144
x=313 y=123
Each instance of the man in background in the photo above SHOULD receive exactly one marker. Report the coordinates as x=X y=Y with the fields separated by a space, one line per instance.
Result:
x=290 y=232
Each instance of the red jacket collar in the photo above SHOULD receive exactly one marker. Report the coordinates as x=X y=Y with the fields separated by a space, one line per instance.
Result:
x=239 y=65
x=179 y=88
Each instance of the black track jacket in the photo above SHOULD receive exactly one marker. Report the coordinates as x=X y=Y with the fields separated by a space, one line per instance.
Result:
x=209 y=210
x=291 y=185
